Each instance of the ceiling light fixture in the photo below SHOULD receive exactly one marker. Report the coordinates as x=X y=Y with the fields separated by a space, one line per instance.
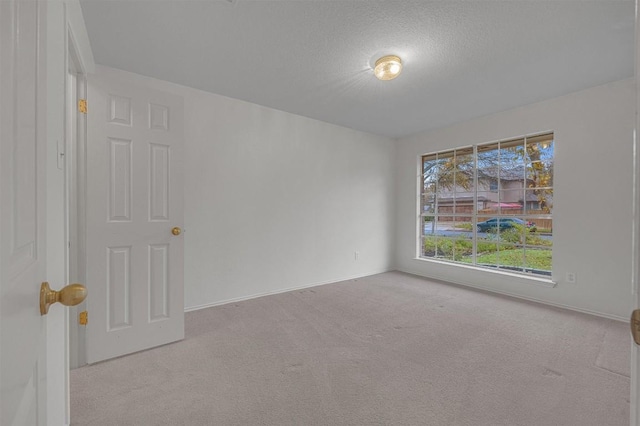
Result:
x=388 y=67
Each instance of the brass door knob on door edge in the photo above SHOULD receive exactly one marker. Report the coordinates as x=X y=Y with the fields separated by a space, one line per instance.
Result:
x=176 y=231
x=71 y=295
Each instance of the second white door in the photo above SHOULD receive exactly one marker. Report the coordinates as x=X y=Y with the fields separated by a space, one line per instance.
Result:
x=134 y=269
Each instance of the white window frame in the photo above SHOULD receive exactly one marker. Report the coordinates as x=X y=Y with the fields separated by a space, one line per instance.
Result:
x=526 y=272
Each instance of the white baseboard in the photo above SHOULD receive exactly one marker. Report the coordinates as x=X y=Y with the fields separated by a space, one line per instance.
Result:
x=284 y=290
x=444 y=280
x=518 y=296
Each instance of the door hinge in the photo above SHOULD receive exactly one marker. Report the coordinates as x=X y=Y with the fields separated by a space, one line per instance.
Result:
x=83 y=318
x=82 y=106
x=635 y=326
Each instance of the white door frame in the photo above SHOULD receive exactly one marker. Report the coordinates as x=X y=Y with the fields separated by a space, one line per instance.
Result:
x=76 y=180
x=74 y=133
x=58 y=51
x=635 y=350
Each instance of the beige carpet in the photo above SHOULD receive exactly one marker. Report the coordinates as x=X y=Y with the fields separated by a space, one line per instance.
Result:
x=390 y=349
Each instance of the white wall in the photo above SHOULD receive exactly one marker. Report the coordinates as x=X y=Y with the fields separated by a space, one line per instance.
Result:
x=592 y=197
x=275 y=201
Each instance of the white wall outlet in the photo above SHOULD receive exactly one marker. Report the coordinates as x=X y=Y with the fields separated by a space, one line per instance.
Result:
x=356 y=255
x=571 y=277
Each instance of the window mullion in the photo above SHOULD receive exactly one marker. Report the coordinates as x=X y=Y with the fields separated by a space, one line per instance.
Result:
x=436 y=211
x=474 y=218
x=525 y=210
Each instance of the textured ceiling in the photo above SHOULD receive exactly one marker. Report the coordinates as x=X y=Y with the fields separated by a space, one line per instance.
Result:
x=462 y=59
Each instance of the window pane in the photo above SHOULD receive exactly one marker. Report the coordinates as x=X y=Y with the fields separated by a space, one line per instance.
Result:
x=487 y=202
x=510 y=201
x=540 y=234
x=538 y=260
x=456 y=249
x=540 y=172
x=464 y=188
x=444 y=185
x=538 y=250
x=488 y=167
x=428 y=199
x=463 y=248
x=539 y=201
x=512 y=230
x=462 y=232
x=445 y=248
x=428 y=209
x=429 y=182
x=445 y=210
x=464 y=207
x=488 y=225
x=487 y=252
x=538 y=246
x=464 y=171
x=429 y=225
x=542 y=225
x=429 y=246
x=512 y=170
x=511 y=257
x=461 y=228
x=445 y=171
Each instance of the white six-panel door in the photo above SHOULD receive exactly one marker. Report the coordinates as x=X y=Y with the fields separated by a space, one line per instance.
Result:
x=134 y=200
x=22 y=212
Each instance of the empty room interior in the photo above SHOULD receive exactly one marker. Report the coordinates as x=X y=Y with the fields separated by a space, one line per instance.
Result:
x=347 y=212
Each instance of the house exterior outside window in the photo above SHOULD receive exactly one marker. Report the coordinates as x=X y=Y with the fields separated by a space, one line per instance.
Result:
x=490 y=205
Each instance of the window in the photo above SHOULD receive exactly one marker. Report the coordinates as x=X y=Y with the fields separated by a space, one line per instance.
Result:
x=490 y=205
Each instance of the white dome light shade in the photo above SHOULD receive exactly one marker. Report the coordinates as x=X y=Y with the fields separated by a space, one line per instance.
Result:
x=388 y=67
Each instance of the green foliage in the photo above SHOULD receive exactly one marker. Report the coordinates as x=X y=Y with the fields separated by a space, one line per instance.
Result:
x=492 y=252
x=533 y=259
x=512 y=235
x=518 y=234
x=458 y=249
x=485 y=246
x=455 y=249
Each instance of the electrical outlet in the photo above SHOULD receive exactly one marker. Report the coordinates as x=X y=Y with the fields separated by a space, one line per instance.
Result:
x=356 y=255
x=571 y=277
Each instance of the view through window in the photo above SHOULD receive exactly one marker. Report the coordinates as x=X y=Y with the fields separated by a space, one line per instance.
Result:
x=490 y=205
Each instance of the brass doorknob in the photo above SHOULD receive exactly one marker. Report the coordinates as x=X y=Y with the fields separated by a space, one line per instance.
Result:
x=71 y=295
x=176 y=231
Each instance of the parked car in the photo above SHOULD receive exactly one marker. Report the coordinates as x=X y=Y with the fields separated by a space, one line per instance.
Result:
x=503 y=223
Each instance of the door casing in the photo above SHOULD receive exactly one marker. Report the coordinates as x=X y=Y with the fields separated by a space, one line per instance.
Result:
x=75 y=183
x=635 y=285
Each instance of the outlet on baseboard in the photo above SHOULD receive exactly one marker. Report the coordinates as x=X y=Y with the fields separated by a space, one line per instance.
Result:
x=571 y=277
x=356 y=255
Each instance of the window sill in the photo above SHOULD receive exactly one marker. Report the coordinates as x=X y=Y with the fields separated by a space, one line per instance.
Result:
x=521 y=278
